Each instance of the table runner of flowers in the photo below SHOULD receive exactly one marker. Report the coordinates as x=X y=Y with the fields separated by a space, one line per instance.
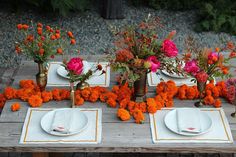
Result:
x=119 y=97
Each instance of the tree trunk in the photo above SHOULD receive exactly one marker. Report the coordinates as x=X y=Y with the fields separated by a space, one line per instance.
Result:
x=112 y=9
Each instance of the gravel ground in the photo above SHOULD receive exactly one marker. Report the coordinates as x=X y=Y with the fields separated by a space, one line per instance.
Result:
x=94 y=33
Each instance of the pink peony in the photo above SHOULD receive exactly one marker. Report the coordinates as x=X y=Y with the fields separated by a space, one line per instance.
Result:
x=169 y=48
x=75 y=65
x=201 y=76
x=155 y=64
x=191 y=67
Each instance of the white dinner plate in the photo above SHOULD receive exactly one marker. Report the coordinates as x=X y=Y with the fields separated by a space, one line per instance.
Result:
x=63 y=73
x=79 y=122
x=175 y=75
x=171 y=123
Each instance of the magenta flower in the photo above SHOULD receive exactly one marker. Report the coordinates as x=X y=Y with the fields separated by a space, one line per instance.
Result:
x=169 y=48
x=155 y=64
x=191 y=67
x=75 y=65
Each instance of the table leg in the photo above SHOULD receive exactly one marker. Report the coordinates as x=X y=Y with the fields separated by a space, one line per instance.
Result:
x=40 y=154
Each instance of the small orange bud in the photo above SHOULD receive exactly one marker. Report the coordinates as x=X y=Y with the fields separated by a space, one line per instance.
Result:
x=40 y=25
x=53 y=37
x=41 y=51
x=59 y=51
x=19 y=26
x=25 y=27
x=72 y=41
x=70 y=34
x=57 y=35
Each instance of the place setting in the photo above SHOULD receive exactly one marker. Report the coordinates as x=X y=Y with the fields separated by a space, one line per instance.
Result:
x=65 y=125
x=58 y=75
x=190 y=125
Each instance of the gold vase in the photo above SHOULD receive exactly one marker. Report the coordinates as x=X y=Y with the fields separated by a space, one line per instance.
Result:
x=234 y=103
x=201 y=86
x=82 y=85
x=140 y=86
x=72 y=94
x=41 y=76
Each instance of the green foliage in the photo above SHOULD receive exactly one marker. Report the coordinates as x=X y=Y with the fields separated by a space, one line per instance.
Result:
x=213 y=15
x=218 y=16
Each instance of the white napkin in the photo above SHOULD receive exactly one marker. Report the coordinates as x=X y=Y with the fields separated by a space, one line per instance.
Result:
x=62 y=121
x=188 y=120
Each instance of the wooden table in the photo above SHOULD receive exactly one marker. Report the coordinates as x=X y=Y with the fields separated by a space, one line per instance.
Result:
x=117 y=136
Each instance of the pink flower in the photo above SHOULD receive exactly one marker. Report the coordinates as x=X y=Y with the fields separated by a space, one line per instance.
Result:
x=155 y=64
x=169 y=48
x=201 y=76
x=191 y=67
x=75 y=65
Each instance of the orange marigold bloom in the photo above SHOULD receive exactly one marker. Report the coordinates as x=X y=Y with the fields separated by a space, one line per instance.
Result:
x=24 y=94
x=10 y=93
x=85 y=93
x=209 y=100
x=94 y=96
x=25 y=27
x=131 y=105
x=79 y=100
x=56 y=94
x=215 y=92
x=217 y=103
x=143 y=106
x=138 y=116
x=2 y=100
x=152 y=106
x=169 y=103
x=35 y=101
x=65 y=94
x=115 y=89
x=47 y=96
x=15 y=107
x=19 y=26
x=190 y=93
x=124 y=103
x=123 y=114
x=182 y=92
x=111 y=102
x=40 y=25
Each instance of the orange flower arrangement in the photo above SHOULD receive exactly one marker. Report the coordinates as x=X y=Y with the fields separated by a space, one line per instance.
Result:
x=27 y=84
x=111 y=102
x=123 y=114
x=35 y=101
x=15 y=107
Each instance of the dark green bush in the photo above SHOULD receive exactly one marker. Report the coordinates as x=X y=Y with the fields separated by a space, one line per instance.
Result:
x=62 y=7
x=218 y=16
x=213 y=15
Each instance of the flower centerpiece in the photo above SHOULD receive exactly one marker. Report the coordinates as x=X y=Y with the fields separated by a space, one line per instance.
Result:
x=205 y=65
x=41 y=43
x=75 y=68
x=139 y=51
x=231 y=93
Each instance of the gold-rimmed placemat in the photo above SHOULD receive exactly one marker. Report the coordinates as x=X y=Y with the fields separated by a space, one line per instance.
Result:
x=32 y=133
x=97 y=80
x=219 y=133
